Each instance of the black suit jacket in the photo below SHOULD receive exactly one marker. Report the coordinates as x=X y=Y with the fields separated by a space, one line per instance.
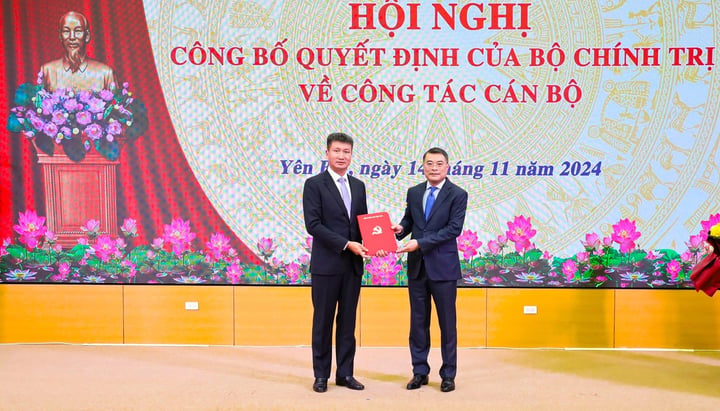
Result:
x=331 y=228
x=437 y=237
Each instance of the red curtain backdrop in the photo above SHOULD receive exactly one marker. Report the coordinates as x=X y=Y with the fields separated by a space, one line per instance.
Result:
x=155 y=182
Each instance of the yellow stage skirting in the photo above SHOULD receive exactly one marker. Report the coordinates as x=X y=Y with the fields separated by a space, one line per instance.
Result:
x=281 y=316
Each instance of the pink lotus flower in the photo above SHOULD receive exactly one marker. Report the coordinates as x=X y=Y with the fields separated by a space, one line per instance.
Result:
x=293 y=271
x=129 y=227
x=158 y=243
x=688 y=257
x=91 y=228
x=130 y=267
x=673 y=269
x=468 y=244
x=50 y=237
x=276 y=263
x=234 y=272
x=266 y=247
x=179 y=236
x=383 y=269
x=607 y=241
x=583 y=257
x=31 y=228
x=493 y=247
x=217 y=247
x=592 y=242
x=104 y=248
x=569 y=269
x=520 y=232
x=625 y=234
x=696 y=242
x=3 y=249
x=64 y=268
x=303 y=259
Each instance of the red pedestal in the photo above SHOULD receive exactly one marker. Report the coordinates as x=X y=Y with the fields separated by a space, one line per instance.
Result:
x=77 y=192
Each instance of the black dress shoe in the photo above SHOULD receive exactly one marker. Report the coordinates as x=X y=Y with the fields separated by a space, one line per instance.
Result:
x=447 y=384
x=349 y=382
x=320 y=385
x=417 y=381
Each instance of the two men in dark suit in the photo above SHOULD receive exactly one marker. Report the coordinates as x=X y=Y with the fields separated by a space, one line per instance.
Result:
x=332 y=200
x=434 y=215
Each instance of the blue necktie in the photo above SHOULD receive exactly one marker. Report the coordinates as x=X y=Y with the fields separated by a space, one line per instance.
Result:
x=345 y=194
x=429 y=202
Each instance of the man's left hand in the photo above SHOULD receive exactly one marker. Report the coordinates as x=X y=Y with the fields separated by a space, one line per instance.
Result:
x=357 y=248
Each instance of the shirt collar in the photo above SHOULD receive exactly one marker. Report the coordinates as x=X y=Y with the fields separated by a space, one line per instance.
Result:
x=439 y=186
x=335 y=175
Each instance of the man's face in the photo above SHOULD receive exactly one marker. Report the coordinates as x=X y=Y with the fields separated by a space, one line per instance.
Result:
x=435 y=168
x=73 y=34
x=339 y=155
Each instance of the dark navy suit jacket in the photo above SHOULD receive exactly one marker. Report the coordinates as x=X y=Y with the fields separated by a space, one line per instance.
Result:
x=328 y=223
x=437 y=237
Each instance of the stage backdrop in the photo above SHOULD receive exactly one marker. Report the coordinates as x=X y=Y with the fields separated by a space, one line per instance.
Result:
x=585 y=132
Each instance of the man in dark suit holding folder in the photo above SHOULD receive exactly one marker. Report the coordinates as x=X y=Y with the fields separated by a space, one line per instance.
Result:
x=332 y=200
x=434 y=215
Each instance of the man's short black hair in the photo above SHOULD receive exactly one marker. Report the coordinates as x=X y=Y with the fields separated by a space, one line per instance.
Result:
x=339 y=137
x=437 y=150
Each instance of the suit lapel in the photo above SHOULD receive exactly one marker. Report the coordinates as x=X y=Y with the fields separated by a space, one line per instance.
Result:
x=417 y=203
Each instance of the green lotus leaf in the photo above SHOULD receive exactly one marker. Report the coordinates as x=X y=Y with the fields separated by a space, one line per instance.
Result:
x=45 y=144
x=13 y=124
x=108 y=149
x=25 y=93
x=74 y=149
x=139 y=121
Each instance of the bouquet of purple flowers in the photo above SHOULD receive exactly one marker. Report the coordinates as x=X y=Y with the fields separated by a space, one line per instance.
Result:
x=77 y=121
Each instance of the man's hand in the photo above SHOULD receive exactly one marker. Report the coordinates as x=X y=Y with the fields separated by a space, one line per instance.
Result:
x=397 y=228
x=411 y=246
x=357 y=249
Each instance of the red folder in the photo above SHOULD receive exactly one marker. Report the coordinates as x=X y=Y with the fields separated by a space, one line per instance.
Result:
x=377 y=233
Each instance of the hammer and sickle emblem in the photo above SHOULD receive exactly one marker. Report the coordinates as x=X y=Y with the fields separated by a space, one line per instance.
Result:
x=377 y=230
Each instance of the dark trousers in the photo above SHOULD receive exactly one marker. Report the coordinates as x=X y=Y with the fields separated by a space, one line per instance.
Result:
x=444 y=294
x=328 y=292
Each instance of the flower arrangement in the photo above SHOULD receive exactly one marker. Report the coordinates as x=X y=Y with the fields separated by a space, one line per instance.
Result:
x=511 y=259
x=77 y=121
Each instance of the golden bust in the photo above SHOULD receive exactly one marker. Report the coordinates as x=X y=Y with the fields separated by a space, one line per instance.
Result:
x=75 y=70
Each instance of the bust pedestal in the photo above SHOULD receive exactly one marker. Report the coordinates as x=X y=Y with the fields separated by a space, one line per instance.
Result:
x=77 y=192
